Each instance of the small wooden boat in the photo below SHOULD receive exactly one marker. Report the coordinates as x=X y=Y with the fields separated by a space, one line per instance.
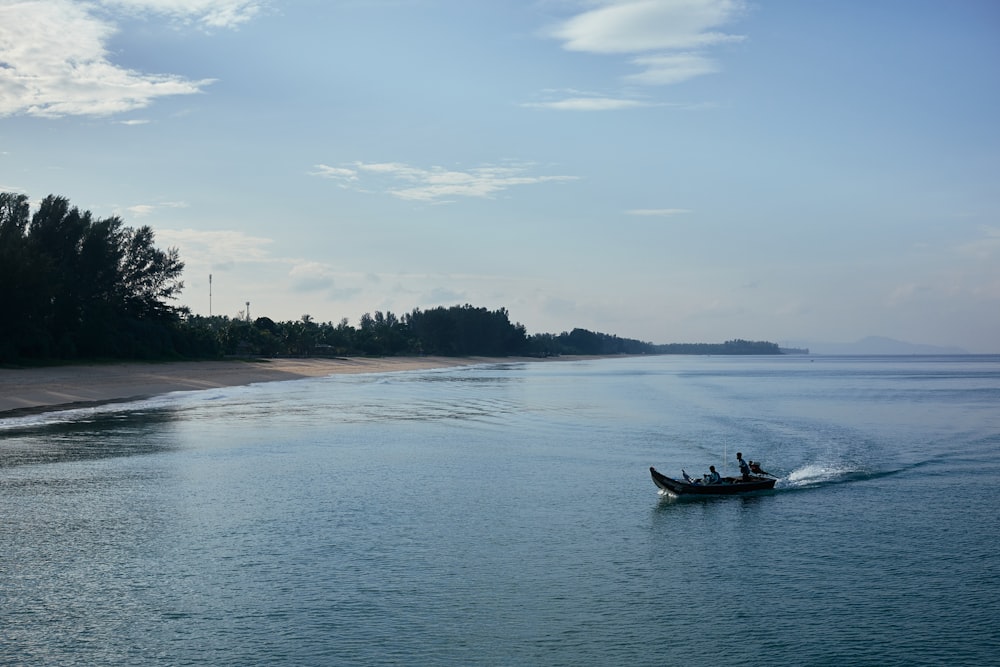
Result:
x=727 y=487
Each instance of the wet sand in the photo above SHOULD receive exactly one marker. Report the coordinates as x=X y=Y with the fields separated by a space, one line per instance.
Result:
x=60 y=387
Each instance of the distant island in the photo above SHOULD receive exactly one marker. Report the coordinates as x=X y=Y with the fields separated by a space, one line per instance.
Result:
x=875 y=345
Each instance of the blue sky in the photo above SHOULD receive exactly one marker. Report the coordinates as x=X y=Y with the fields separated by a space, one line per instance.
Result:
x=667 y=170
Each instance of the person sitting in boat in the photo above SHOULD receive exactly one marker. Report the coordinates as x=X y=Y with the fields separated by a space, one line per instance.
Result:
x=706 y=479
x=713 y=477
x=744 y=466
x=756 y=469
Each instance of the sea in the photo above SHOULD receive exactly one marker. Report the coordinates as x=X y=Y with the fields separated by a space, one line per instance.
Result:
x=504 y=514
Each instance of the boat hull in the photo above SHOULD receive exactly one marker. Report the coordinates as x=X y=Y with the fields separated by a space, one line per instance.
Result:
x=737 y=486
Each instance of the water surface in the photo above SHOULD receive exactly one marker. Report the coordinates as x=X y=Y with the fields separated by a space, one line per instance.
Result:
x=503 y=514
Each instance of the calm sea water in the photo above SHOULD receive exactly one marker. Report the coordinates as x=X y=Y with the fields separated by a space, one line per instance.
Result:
x=504 y=515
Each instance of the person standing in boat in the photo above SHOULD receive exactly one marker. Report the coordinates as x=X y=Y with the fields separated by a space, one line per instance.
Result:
x=744 y=466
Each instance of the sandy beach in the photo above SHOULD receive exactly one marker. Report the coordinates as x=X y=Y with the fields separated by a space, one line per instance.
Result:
x=61 y=387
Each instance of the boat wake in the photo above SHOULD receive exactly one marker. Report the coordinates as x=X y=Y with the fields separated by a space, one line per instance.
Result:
x=813 y=475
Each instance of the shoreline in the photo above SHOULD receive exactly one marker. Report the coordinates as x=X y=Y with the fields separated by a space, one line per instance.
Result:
x=26 y=391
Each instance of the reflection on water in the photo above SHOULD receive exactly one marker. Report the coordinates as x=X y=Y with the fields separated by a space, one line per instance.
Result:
x=93 y=434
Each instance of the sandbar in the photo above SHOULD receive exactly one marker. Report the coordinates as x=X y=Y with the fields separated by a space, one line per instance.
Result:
x=28 y=390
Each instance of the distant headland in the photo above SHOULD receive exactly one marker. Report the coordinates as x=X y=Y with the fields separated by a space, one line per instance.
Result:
x=873 y=345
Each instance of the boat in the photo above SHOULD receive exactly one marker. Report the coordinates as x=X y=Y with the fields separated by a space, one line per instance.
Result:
x=729 y=486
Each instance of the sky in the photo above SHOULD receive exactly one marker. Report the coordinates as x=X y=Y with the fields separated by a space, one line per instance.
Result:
x=664 y=170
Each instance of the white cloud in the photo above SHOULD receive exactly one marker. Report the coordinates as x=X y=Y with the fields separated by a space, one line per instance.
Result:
x=54 y=59
x=669 y=36
x=667 y=69
x=141 y=209
x=588 y=104
x=435 y=184
x=327 y=171
x=209 y=13
x=311 y=276
x=215 y=248
x=636 y=26
x=148 y=209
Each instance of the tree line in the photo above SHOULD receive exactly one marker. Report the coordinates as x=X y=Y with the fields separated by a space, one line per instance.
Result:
x=73 y=286
x=737 y=346
x=455 y=331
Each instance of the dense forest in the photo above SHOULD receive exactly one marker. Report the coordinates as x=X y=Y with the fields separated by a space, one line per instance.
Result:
x=76 y=287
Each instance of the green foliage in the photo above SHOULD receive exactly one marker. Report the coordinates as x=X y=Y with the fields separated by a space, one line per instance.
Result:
x=737 y=346
x=581 y=341
x=72 y=286
x=466 y=331
x=455 y=331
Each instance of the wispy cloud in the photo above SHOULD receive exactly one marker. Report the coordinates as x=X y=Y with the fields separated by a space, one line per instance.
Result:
x=588 y=103
x=147 y=209
x=205 y=13
x=335 y=173
x=55 y=60
x=667 y=69
x=218 y=247
x=434 y=184
x=260 y=272
x=644 y=26
x=667 y=40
